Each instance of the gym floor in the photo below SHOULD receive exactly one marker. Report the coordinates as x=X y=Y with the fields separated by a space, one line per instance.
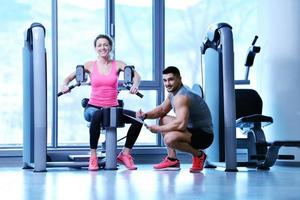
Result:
x=65 y=183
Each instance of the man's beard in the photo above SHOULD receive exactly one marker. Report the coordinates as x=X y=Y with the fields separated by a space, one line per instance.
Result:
x=171 y=89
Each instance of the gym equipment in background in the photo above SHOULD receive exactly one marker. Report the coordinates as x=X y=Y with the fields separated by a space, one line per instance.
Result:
x=249 y=119
x=34 y=99
x=217 y=50
x=245 y=105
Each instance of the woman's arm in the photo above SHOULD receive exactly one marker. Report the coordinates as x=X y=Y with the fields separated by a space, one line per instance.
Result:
x=72 y=76
x=67 y=80
x=136 y=77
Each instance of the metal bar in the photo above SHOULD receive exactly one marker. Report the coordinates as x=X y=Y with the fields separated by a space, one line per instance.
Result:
x=158 y=50
x=54 y=74
x=39 y=98
x=228 y=98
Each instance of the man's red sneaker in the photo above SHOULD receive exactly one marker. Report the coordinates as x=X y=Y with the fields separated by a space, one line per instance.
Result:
x=198 y=163
x=167 y=164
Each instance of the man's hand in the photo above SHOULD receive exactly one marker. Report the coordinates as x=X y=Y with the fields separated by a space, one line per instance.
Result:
x=153 y=128
x=140 y=114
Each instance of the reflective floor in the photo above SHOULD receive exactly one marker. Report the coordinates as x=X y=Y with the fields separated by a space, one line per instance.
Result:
x=145 y=183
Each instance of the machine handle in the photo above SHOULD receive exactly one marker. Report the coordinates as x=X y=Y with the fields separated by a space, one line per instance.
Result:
x=138 y=93
x=70 y=88
x=59 y=94
x=255 y=39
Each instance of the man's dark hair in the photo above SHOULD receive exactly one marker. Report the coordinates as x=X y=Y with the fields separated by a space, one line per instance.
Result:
x=105 y=37
x=172 y=70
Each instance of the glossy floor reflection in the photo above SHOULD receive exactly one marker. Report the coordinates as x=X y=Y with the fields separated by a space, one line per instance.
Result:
x=145 y=183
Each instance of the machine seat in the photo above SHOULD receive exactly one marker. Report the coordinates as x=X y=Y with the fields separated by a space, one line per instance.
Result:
x=251 y=120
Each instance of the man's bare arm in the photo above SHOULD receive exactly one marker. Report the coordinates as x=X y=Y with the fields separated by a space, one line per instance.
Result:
x=160 y=110
x=180 y=121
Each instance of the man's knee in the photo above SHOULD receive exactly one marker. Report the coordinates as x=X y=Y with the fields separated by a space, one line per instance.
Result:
x=169 y=140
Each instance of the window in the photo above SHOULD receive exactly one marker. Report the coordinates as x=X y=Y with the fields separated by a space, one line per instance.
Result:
x=18 y=18
x=186 y=25
x=133 y=39
x=133 y=45
x=79 y=22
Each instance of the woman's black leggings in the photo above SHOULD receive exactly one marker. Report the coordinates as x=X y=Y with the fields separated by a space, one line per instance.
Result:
x=132 y=134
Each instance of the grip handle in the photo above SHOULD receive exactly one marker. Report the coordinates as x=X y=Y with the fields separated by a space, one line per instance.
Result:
x=138 y=93
x=70 y=88
x=255 y=39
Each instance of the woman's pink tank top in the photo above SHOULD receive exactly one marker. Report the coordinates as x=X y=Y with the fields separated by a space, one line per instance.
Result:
x=104 y=87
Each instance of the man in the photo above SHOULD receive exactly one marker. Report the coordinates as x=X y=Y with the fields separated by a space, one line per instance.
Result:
x=190 y=130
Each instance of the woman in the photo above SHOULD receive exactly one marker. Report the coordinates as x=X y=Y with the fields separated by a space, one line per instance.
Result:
x=104 y=73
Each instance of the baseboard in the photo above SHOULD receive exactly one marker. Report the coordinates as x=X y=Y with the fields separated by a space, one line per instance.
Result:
x=288 y=163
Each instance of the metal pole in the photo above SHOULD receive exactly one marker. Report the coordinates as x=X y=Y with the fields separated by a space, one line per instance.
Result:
x=54 y=74
x=111 y=141
x=228 y=98
x=39 y=98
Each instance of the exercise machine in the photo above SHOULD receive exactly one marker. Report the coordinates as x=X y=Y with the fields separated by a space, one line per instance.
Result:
x=34 y=99
x=250 y=120
x=35 y=103
x=112 y=117
x=235 y=108
x=217 y=50
x=35 y=107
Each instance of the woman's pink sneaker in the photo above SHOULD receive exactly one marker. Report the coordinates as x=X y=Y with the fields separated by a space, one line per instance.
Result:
x=93 y=163
x=126 y=160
